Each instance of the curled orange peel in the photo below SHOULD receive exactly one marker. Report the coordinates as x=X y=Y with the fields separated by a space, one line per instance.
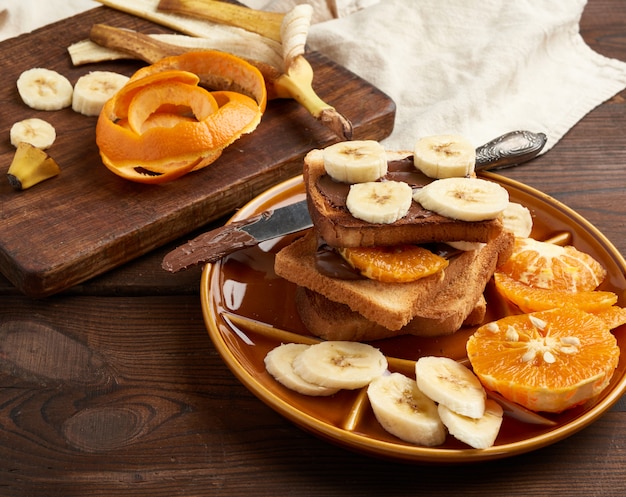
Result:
x=162 y=124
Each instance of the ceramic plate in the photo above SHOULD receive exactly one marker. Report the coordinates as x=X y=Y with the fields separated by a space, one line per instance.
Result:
x=248 y=310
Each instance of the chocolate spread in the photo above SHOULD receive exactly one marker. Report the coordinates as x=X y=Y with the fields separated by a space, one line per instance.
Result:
x=333 y=265
x=404 y=170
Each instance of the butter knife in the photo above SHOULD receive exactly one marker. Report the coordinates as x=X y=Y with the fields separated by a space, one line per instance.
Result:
x=507 y=150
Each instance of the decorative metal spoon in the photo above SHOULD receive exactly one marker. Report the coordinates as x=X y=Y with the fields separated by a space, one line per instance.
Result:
x=509 y=150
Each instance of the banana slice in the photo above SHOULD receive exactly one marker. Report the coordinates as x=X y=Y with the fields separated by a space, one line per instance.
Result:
x=466 y=199
x=356 y=161
x=44 y=89
x=380 y=202
x=404 y=411
x=478 y=433
x=449 y=383
x=35 y=131
x=30 y=166
x=517 y=219
x=279 y=363
x=340 y=364
x=466 y=246
x=444 y=156
x=92 y=90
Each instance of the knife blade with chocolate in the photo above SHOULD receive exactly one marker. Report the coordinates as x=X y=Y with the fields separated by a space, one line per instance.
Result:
x=508 y=150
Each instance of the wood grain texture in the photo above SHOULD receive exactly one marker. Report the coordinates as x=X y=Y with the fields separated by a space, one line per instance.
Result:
x=87 y=220
x=113 y=387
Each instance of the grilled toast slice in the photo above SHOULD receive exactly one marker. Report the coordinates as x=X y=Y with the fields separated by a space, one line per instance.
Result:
x=334 y=321
x=394 y=305
x=335 y=224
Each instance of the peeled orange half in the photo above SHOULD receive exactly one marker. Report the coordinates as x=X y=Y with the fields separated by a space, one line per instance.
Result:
x=546 y=265
x=545 y=361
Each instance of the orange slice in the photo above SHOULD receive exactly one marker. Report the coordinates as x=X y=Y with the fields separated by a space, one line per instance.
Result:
x=394 y=264
x=531 y=299
x=546 y=265
x=613 y=316
x=545 y=361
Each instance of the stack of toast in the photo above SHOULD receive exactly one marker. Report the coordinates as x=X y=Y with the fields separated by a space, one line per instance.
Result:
x=336 y=306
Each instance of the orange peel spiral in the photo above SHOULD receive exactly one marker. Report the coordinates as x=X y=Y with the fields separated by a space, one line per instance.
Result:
x=162 y=124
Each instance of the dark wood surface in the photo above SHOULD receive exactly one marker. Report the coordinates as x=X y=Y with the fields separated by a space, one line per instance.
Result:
x=114 y=388
x=87 y=220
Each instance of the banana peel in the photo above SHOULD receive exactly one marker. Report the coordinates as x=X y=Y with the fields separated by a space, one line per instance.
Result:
x=296 y=83
x=30 y=166
x=292 y=80
x=264 y=23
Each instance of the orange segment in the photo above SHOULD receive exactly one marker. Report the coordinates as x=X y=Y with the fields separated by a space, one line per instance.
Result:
x=530 y=299
x=545 y=265
x=395 y=264
x=546 y=361
x=613 y=316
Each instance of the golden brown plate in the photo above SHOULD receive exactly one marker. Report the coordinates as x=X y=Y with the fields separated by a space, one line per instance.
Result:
x=244 y=304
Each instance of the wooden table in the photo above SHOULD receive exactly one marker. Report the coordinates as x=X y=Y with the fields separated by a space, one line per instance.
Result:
x=119 y=391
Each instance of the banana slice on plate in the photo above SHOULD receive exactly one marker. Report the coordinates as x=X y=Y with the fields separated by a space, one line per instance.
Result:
x=479 y=433
x=449 y=383
x=357 y=161
x=466 y=199
x=381 y=202
x=92 y=90
x=44 y=89
x=340 y=364
x=279 y=363
x=517 y=219
x=37 y=132
x=444 y=156
x=404 y=411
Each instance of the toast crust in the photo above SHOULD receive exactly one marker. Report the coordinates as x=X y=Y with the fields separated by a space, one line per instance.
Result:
x=340 y=229
x=334 y=321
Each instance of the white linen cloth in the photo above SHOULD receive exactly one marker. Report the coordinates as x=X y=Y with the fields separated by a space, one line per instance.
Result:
x=23 y=16
x=478 y=68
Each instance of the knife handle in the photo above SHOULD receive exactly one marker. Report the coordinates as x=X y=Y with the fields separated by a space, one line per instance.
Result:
x=210 y=246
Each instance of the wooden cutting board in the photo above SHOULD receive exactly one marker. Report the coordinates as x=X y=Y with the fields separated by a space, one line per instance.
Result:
x=87 y=220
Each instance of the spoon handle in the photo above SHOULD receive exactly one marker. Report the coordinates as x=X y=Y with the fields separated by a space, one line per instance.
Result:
x=509 y=150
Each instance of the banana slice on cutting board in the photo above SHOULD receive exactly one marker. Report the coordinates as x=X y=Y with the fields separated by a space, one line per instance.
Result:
x=479 y=433
x=357 y=161
x=30 y=165
x=450 y=383
x=279 y=363
x=340 y=364
x=518 y=219
x=44 y=89
x=466 y=199
x=404 y=411
x=93 y=89
x=444 y=156
x=381 y=202
x=37 y=132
